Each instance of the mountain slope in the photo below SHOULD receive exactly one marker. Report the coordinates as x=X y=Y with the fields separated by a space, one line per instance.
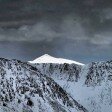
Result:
x=90 y=85
x=24 y=88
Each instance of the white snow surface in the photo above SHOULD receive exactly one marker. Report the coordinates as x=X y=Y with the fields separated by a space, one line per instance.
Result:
x=20 y=83
x=49 y=59
x=97 y=95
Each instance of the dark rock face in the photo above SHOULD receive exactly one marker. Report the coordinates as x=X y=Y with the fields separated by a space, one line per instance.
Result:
x=69 y=72
x=24 y=88
x=98 y=72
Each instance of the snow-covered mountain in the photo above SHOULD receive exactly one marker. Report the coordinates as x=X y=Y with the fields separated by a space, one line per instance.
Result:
x=55 y=87
x=49 y=59
x=57 y=68
x=23 y=88
x=90 y=85
x=96 y=85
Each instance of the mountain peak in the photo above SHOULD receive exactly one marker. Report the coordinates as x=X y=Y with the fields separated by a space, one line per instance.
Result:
x=46 y=56
x=50 y=59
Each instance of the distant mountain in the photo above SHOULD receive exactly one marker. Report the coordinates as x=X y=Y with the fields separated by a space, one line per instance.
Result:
x=90 y=85
x=49 y=59
x=23 y=88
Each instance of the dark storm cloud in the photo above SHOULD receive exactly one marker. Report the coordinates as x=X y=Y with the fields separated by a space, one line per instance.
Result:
x=75 y=29
x=94 y=16
x=18 y=12
x=70 y=28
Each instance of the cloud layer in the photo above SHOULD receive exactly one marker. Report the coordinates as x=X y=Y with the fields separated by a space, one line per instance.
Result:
x=71 y=27
x=89 y=20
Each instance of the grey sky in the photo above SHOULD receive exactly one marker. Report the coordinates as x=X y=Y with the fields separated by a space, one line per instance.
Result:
x=75 y=29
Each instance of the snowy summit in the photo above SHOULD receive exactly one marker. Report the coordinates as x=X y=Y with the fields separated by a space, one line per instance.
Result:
x=49 y=59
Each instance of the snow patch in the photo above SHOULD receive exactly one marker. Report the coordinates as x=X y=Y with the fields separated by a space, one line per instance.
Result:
x=49 y=59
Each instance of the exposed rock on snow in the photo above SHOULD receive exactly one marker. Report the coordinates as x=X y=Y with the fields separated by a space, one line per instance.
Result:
x=90 y=85
x=24 y=89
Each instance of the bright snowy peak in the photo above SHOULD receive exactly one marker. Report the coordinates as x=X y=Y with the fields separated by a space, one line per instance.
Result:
x=49 y=59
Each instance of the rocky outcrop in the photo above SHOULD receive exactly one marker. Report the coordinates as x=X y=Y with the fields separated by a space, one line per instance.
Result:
x=23 y=88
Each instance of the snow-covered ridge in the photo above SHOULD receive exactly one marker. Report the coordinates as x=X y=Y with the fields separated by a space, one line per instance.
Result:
x=24 y=89
x=90 y=84
x=49 y=59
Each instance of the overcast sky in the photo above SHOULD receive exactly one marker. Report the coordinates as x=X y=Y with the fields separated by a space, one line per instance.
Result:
x=76 y=29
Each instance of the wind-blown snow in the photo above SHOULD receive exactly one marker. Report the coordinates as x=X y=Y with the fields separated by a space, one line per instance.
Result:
x=49 y=59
